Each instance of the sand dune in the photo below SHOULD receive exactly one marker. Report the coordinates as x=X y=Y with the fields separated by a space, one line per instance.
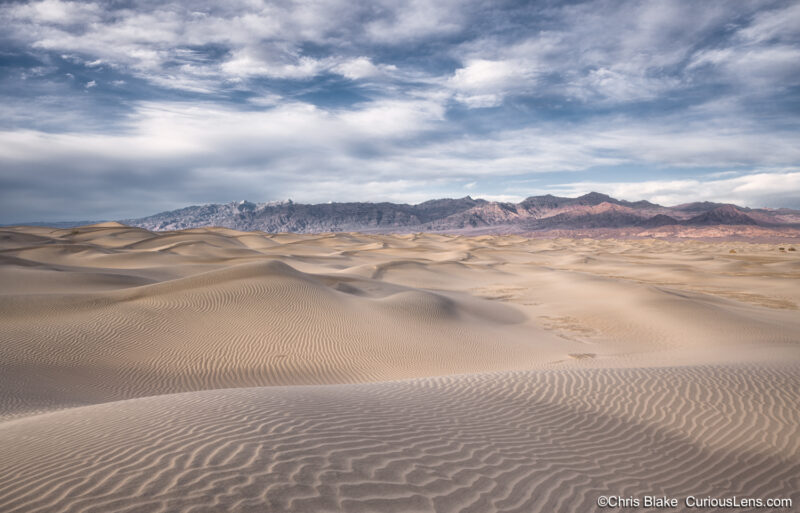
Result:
x=532 y=441
x=216 y=370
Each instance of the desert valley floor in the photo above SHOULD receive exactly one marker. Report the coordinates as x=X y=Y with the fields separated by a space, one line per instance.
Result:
x=212 y=370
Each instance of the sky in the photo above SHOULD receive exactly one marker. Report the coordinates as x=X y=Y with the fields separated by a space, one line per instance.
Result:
x=124 y=108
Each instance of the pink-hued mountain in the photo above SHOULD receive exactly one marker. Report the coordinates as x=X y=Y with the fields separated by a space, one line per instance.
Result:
x=541 y=214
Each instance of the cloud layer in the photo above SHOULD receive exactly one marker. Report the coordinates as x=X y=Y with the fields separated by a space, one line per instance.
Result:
x=111 y=110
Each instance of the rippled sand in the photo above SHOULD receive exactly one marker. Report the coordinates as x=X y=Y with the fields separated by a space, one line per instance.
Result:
x=214 y=370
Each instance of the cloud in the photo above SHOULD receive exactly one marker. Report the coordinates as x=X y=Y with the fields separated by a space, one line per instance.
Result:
x=244 y=64
x=363 y=68
x=762 y=67
x=484 y=83
x=201 y=152
x=776 y=24
x=171 y=133
x=413 y=19
x=619 y=85
x=616 y=51
x=406 y=100
x=257 y=39
x=760 y=55
x=760 y=189
x=56 y=12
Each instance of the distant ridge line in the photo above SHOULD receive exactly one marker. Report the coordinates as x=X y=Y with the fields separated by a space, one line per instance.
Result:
x=466 y=215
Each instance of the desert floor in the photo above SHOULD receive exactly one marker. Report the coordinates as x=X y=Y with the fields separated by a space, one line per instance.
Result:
x=212 y=370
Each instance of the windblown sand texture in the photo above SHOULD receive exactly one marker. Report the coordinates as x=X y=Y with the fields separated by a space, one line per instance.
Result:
x=212 y=370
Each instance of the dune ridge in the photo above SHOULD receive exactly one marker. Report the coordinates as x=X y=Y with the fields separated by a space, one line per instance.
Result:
x=217 y=370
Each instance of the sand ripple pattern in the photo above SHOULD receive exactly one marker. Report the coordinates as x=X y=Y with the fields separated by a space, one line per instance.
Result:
x=212 y=370
x=522 y=442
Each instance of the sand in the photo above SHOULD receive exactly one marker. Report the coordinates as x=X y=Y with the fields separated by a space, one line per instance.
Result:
x=216 y=370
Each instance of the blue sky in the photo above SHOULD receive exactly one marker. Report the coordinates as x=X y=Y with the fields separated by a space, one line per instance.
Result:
x=124 y=108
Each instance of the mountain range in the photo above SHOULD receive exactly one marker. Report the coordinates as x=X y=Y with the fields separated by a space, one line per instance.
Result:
x=594 y=212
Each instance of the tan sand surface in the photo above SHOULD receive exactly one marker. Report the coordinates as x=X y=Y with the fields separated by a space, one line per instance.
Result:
x=216 y=370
